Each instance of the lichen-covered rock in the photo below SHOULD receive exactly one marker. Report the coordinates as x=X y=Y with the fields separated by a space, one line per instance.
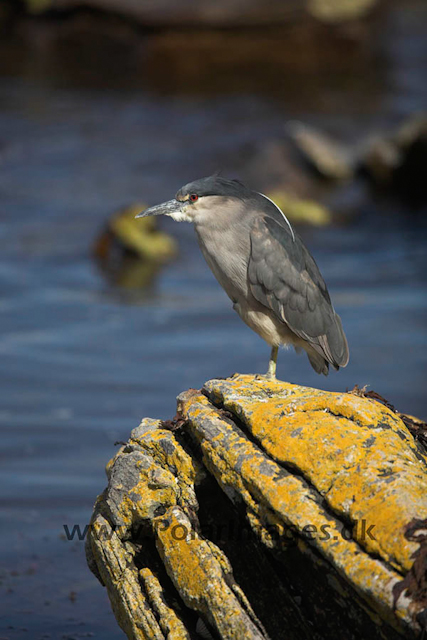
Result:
x=336 y=11
x=301 y=211
x=129 y=251
x=266 y=506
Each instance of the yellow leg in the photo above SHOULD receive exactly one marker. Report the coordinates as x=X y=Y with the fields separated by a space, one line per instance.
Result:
x=271 y=373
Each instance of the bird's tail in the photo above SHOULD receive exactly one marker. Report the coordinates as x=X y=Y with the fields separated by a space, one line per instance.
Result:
x=331 y=348
x=338 y=345
x=318 y=362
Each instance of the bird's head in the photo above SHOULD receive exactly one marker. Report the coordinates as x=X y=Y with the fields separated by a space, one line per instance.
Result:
x=198 y=200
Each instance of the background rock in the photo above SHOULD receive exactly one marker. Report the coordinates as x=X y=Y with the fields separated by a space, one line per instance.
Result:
x=219 y=13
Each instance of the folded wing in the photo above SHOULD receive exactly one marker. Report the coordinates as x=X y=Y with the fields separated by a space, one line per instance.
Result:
x=284 y=277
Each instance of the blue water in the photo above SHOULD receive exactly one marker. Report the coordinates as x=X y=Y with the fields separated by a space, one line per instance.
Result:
x=81 y=361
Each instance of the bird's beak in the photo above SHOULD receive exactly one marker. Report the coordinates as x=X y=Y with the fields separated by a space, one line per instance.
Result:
x=168 y=208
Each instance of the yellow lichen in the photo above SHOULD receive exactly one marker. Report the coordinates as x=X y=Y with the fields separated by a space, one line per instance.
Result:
x=357 y=453
x=171 y=625
x=202 y=575
x=304 y=435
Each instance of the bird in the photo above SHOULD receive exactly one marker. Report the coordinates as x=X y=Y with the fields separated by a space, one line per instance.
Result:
x=264 y=267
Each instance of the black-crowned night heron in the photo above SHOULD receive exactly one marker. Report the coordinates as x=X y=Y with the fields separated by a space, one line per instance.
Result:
x=256 y=256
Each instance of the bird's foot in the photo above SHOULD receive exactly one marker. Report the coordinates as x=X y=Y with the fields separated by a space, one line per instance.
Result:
x=265 y=376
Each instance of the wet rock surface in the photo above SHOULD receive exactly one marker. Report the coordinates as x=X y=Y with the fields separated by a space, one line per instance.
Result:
x=266 y=505
x=393 y=162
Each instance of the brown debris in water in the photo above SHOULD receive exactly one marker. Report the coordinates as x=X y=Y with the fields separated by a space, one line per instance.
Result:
x=415 y=581
x=417 y=427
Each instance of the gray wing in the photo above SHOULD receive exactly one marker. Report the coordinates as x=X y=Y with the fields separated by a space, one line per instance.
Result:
x=284 y=277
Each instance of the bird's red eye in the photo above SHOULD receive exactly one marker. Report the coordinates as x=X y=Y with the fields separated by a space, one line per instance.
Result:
x=194 y=197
